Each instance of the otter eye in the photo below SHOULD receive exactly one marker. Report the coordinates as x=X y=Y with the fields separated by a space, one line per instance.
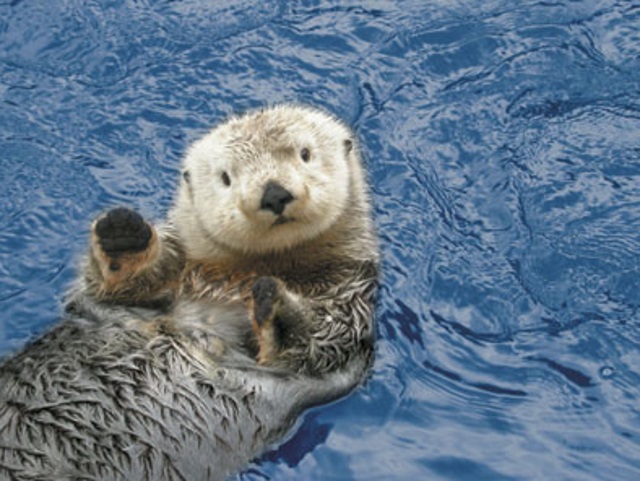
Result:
x=226 y=180
x=305 y=154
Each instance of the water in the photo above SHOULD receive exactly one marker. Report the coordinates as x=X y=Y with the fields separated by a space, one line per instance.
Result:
x=503 y=144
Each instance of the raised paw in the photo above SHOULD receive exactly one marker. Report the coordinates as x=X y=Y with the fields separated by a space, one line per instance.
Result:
x=122 y=231
x=265 y=296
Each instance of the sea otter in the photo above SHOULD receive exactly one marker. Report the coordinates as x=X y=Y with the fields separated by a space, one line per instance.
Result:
x=188 y=348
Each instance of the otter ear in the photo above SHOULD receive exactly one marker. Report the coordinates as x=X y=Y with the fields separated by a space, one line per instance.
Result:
x=348 y=146
x=186 y=176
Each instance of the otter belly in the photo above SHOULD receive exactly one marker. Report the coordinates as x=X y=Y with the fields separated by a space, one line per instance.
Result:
x=114 y=400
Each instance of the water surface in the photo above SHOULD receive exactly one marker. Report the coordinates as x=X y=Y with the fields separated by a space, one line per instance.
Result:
x=502 y=140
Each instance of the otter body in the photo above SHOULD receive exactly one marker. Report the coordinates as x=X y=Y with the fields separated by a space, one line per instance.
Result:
x=188 y=348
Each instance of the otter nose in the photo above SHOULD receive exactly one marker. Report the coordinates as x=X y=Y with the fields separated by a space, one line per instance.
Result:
x=275 y=198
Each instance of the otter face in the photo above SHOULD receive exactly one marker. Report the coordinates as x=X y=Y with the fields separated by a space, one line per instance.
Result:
x=267 y=181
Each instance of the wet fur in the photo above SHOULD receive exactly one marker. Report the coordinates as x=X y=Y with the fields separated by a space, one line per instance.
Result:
x=181 y=355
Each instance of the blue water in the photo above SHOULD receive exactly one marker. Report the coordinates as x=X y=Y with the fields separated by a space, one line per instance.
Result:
x=503 y=142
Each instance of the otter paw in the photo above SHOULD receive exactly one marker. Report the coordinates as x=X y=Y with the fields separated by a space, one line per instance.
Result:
x=122 y=231
x=265 y=294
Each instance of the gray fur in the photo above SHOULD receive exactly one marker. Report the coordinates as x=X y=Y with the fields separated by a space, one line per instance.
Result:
x=105 y=401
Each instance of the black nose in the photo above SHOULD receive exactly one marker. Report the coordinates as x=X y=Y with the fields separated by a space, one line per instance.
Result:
x=275 y=198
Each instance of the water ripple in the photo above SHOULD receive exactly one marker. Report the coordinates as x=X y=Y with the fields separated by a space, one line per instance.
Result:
x=502 y=144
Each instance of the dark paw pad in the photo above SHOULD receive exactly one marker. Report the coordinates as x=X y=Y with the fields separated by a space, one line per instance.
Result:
x=264 y=292
x=122 y=231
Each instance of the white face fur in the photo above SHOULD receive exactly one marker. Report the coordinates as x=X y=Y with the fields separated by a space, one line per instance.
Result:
x=307 y=158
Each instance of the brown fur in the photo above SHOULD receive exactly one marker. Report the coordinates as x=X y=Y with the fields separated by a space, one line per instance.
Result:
x=119 y=271
x=186 y=259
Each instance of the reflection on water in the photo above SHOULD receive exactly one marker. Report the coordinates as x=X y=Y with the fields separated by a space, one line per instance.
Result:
x=502 y=141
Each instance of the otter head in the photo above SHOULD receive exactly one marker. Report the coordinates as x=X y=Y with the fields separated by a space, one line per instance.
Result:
x=265 y=182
